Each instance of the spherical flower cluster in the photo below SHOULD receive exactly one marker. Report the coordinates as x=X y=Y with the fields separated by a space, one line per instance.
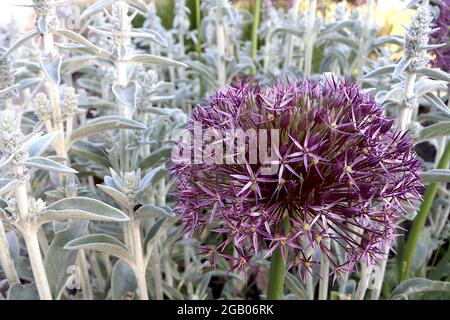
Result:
x=344 y=176
x=442 y=59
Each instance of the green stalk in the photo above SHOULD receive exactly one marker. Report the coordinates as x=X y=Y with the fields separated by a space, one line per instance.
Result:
x=255 y=26
x=198 y=19
x=277 y=269
x=198 y=45
x=421 y=218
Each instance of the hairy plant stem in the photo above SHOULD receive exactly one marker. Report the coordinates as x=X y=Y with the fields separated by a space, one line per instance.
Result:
x=6 y=261
x=124 y=111
x=408 y=105
x=278 y=268
x=310 y=38
x=29 y=234
x=84 y=273
x=7 y=102
x=420 y=219
x=220 y=38
x=364 y=41
x=324 y=273
x=290 y=38
x=255 y=27
x=139 y=264
x=379 y=276
x=309 y=278
x=363 y=284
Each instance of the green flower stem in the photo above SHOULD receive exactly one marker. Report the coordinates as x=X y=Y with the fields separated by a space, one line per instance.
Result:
x=421 y=218
x=198 y=45
x=277 y=269
x=198 y=19
x=255 y=27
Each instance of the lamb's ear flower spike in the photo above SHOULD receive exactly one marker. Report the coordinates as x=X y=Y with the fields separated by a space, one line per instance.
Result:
x=343 y=174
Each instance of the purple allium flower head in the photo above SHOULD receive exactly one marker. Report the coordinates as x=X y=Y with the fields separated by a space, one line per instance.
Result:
x=343 y=176
x=442 y=59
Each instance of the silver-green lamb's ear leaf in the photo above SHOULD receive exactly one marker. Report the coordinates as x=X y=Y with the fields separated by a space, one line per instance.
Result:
x=51 y=65
x=127 y=95
x=37 y=145
x=439 y=129
x=6 y=159
x=28 y=83
x=139 y=5
x=171 y=292
x=158 y=229
x=202 y=287
x=440 y=269
x=19 y=291
x=21 y=41
x=380 y=71
x=436 y=103
x=58 y=261
x=152 y=59
x=150 y=34
x=205 y=71
x=47 y=164
x=102 y=243
x=388 y=39
x=401 y=66
x=436 y=175
x=96 y=7
x=77 y=38
x=123 y=281
x=87 y=150
x=434 y=73
x=296 y=287
x=42 y=24
x=156 y=157
x=82 y=208
x=118 y=196
x=150 y=210
x=7 y=185
x=419 y=285
x=11 y=89
x=152 y=176
x=424 y=86
x=104 y=123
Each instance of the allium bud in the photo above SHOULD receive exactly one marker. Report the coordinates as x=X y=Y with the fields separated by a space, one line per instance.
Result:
x=340 y=172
